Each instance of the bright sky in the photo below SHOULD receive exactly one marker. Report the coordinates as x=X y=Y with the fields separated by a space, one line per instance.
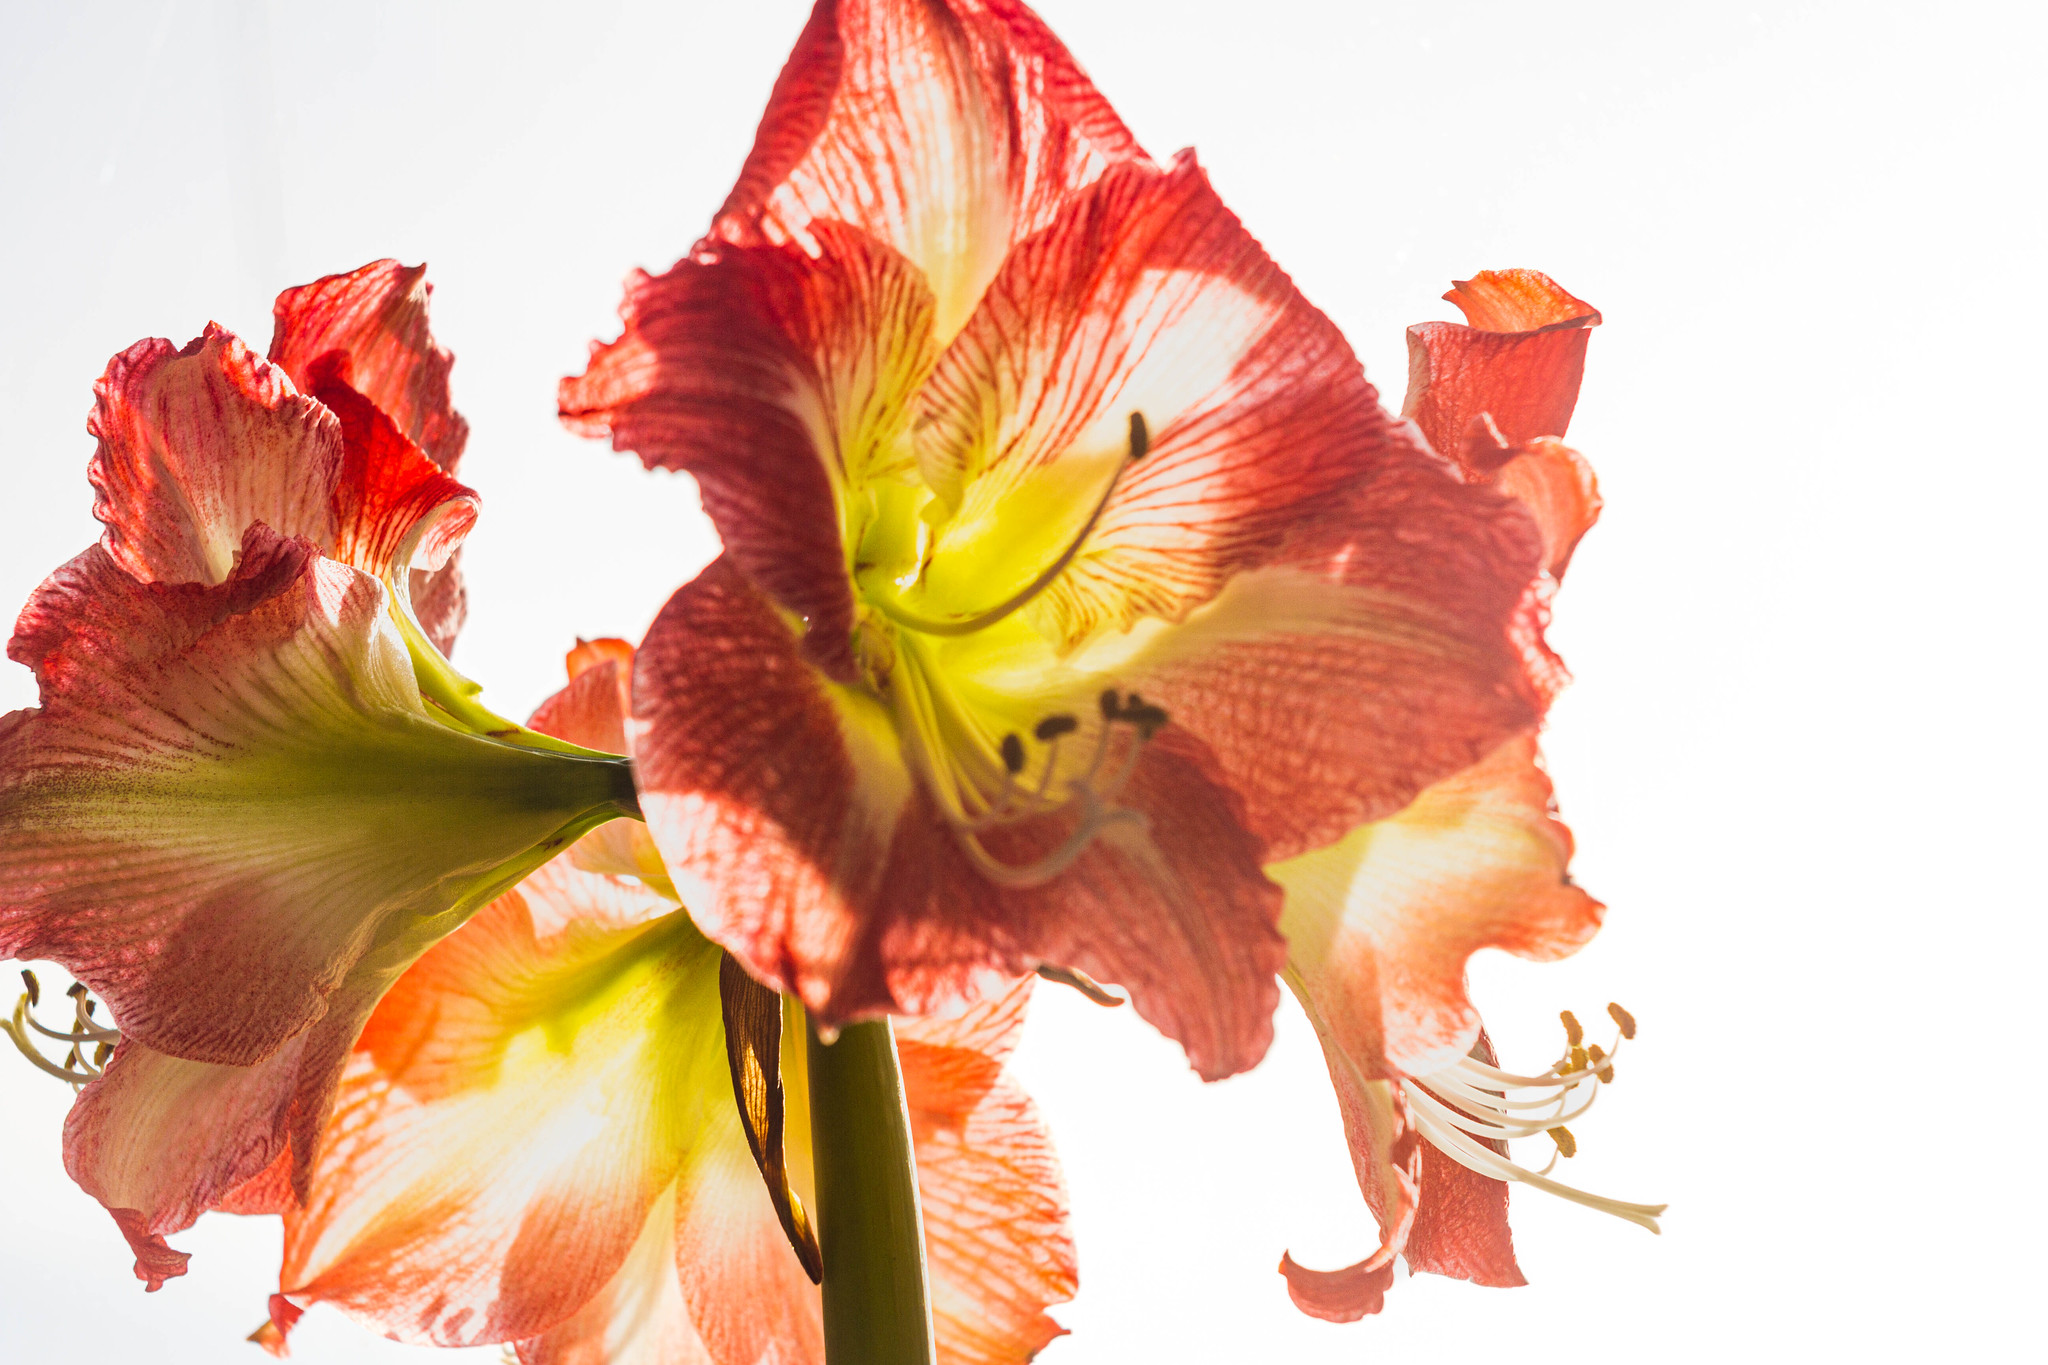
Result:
x=1800 y=758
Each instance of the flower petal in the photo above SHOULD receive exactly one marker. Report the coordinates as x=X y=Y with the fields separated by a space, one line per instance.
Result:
x=1144 y=298
x=1518 y=363
x=785 y=812
x=378 y=315
x=196 y=446
x=1380 y=924
x=236 y=789
x=639 y=1317
x=949 y=130
x=1461 y=1218
x=591 y=711
x=995 y=1202
x=511 y=1115
x=1557 y=485
x=777 y=381
x=160 y=1140
x=1388 y=1157
x=1390 y=643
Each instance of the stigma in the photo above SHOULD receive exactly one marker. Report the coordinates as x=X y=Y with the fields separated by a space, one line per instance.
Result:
x=1467 y=1108
x=84 y=1033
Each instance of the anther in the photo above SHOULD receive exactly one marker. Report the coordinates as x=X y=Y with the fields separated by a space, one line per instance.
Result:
x=1623 y=1020
x=1605 y=1073
x=1013 y=753
x=1112 y=704
x=1579 y=1058
x=1052 y=727
x=1566 y=1143
x=35 y=987
x=1141 y=437
x=101 y=1053
x=1148 y=718
x=1573 y=1034
x=76 y=990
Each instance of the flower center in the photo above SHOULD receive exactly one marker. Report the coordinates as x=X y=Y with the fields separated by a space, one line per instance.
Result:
x=24 y=1028
x=1025 y=778
x=1466 y=1107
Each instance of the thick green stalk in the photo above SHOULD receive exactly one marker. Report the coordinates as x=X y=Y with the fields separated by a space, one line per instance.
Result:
x=877 y=1307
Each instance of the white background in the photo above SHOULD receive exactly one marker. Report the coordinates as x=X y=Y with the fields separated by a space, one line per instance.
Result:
x=1801 y=758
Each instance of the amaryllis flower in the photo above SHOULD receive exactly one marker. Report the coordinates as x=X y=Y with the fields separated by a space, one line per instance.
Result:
x=537 y=1141
x=1380 y=923
x=1072 y=570
x=233 y=815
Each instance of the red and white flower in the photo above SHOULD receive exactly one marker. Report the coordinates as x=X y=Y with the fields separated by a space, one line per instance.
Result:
x=1072 y=572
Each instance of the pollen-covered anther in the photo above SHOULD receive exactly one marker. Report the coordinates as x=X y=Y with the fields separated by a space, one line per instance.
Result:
x=1467 y=1108
x=1573 y=1034
x=1623 y=1020
x=24 y=1028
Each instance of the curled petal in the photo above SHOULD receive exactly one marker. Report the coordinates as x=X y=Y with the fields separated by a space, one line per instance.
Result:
x=1518 y=364
x=1518 y=301
x=510 y=1116
x=1557 y=485
x=1387 y=1155
x=950 y=130
x=786 y=815
x=1380 y=924
x=1144 y=302
x=777 y=381
x=378 y=316
x=196 y=446
x=231 y=797
x=160 y=1140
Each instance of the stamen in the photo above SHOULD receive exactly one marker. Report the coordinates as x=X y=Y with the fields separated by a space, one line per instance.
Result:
x=1623 y=1020
x=1140 y=444
x=1573 y=1034
x=1094 y=799
x=1052 y=727
x=1469 y=1105
x=24 y=1027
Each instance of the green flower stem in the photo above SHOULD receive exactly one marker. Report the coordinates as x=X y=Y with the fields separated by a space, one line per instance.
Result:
x=877 y=1307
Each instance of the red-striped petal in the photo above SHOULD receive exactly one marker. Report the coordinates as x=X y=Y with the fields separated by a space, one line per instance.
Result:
x=378 y=316
x=1517 y=365
x=1144 y=296
x=777 y=381
x=196 y=446
x=785 y=811
x=950 y=129
x=232 y=796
